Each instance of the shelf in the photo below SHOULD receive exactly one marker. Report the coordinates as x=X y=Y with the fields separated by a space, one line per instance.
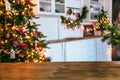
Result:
x=57 y=3
x=97 y=2
x=44 y=13
x=49 y=2
x=59 y=8
x=50 y=7
x=94 y=12
x=59 y=14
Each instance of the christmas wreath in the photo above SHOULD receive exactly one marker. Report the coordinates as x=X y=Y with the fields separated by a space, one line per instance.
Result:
x=74 y=23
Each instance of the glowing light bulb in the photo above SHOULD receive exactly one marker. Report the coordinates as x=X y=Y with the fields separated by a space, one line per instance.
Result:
x=31 y=34
x=28 y=37
x=14 y=27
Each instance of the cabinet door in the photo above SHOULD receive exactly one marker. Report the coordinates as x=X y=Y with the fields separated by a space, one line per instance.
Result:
x=74 y=3
x=69 y=33
x=55 y=52
x=48 y=26
x=103 y=50
x=43 y=6
x=81 y=50
x=60 y=7
x=49 y=7
x=94 y=7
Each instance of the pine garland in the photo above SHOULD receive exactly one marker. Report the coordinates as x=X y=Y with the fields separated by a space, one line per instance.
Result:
x=70 y=23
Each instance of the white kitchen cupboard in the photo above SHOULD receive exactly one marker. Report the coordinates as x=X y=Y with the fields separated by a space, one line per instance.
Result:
x=94 y=7
x=76 y=6
x=49 y=27
x=103 y=50
x=49 y=7
x=80 y=50
x=70 y=33
x=55 y=52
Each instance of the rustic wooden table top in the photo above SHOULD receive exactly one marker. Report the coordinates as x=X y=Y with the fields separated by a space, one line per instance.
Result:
x=60 y=71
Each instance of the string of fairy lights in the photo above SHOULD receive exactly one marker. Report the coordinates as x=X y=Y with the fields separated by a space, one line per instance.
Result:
x=71 y=23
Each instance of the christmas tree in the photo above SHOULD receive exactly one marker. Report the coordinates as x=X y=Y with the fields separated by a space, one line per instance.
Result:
x=103 y=20
x=19 y=39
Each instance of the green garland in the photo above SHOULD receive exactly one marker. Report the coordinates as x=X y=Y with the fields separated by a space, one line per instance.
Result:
x=70 y=23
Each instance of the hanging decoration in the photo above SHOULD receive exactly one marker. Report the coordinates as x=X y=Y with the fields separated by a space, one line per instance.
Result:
x=74 y=22
x=7 y=5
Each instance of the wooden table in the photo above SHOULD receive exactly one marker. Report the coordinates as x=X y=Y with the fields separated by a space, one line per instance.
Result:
x=60 y=71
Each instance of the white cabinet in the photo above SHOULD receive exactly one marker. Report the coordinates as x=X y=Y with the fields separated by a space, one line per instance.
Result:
x=45 y=6
x=69 y=33
x=103 y=50
x=81 y=50
x=49 y=7
x=48 y=27
x=55 y=52
x=60 y=7
x=95 y=8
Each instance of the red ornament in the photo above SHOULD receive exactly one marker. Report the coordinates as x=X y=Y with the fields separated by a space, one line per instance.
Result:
x=36 y=34
x=21 y=31
x=23 y=46
x=12 y=39
x=30 y=11
x=15 y=43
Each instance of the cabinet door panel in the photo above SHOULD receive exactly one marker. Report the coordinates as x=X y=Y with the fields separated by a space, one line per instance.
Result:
x=69 y=33
x=55 y=52
x=103 y=50
x=74 y=3
x=86 y=52
x=48 y=26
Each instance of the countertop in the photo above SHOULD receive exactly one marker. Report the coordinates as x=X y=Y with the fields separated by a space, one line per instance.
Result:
x=60 y=71
x=71 y=39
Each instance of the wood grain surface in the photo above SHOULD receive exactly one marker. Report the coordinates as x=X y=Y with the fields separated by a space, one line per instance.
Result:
x=60 y=71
